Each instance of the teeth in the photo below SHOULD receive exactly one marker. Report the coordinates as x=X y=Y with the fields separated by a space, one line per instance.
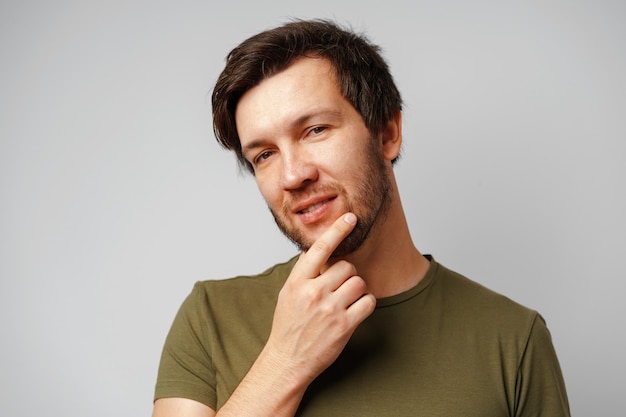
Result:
x=314 y=206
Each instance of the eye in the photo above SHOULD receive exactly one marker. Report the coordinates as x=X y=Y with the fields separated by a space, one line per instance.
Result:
x=317 y=130
x=263 y=156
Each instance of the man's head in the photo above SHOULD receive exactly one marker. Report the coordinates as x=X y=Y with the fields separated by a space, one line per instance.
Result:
x=313 y=156
x=363 y=76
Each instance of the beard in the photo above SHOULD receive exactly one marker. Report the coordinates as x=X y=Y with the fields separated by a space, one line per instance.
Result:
x=370 y=204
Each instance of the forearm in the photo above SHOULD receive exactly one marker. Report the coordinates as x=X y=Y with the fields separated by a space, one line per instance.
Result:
x=315 y=315
x=269 y=389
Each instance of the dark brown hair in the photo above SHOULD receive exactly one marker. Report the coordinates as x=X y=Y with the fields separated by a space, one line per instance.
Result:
x=363 y=75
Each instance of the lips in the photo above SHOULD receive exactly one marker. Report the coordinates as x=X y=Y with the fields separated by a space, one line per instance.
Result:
x=313 y=210
x=314 y=206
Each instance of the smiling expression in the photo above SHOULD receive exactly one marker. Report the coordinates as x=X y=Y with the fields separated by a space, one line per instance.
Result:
x=313 y=156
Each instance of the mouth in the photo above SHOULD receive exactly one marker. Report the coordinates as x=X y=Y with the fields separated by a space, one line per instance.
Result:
x=314 y=211
x=314 y=206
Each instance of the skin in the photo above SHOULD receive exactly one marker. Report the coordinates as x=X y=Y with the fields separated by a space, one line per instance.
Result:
x=370 y=199
x=298 y=132
x=311 y=152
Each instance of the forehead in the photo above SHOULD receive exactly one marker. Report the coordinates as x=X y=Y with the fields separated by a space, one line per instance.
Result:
x=307 y=85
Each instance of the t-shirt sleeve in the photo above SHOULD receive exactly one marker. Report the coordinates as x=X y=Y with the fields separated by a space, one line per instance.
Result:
x=186 y=369
x=541 y=388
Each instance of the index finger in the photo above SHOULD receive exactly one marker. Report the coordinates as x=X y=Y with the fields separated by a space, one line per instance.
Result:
x=312 y=262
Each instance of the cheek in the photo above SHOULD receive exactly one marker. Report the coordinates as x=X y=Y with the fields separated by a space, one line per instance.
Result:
x=270 y=193
x=349 y=162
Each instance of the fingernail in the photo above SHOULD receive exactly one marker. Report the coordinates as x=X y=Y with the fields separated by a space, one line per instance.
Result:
x=350 y=218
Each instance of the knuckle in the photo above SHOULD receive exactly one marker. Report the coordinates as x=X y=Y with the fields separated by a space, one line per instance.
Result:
x=311 y=295
x=349 y=268
x=344 y=267
x=355 y=285
x=321 y=247
x=326 y=310
x=369 y=303
x=359 y=284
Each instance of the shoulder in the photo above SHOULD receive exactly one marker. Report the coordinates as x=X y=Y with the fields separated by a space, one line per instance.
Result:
x=470 y=298
x=215 y=307
x=243 y=288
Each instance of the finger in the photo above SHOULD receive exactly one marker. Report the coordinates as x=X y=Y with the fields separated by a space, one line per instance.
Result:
x=311 y=263
x=361 y=309
x=350 y=290
x=336 y=275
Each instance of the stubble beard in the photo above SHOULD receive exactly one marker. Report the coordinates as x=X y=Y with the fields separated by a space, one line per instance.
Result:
x=371 y=204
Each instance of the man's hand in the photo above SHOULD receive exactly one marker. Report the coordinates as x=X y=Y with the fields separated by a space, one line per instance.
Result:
x=319 y=307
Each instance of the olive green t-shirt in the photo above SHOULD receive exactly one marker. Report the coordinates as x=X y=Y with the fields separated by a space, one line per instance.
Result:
x=447 y=347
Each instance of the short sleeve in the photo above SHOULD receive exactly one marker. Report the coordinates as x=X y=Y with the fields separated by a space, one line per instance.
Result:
x=186 y=369
x=540 y=386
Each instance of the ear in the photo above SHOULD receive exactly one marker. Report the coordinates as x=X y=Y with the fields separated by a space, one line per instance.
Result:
x=392 y=137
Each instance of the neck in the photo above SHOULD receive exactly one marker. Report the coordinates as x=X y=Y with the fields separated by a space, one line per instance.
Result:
x=388 y=260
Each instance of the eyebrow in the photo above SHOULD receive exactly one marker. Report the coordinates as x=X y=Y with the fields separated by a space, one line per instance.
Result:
x=257 y=143
x=316 y=113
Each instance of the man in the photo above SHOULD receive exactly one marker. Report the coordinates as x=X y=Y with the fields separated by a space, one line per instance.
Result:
x=360 y=323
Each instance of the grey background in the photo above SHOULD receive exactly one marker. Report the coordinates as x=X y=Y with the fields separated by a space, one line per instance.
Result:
x=116 y=198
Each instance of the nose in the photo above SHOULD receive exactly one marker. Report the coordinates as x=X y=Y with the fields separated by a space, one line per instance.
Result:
x=298 y=170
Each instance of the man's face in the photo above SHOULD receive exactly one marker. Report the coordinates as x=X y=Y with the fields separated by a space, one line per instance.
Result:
x=314 y=158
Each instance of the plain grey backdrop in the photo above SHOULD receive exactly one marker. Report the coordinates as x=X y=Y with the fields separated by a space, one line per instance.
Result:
x=115 y=197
